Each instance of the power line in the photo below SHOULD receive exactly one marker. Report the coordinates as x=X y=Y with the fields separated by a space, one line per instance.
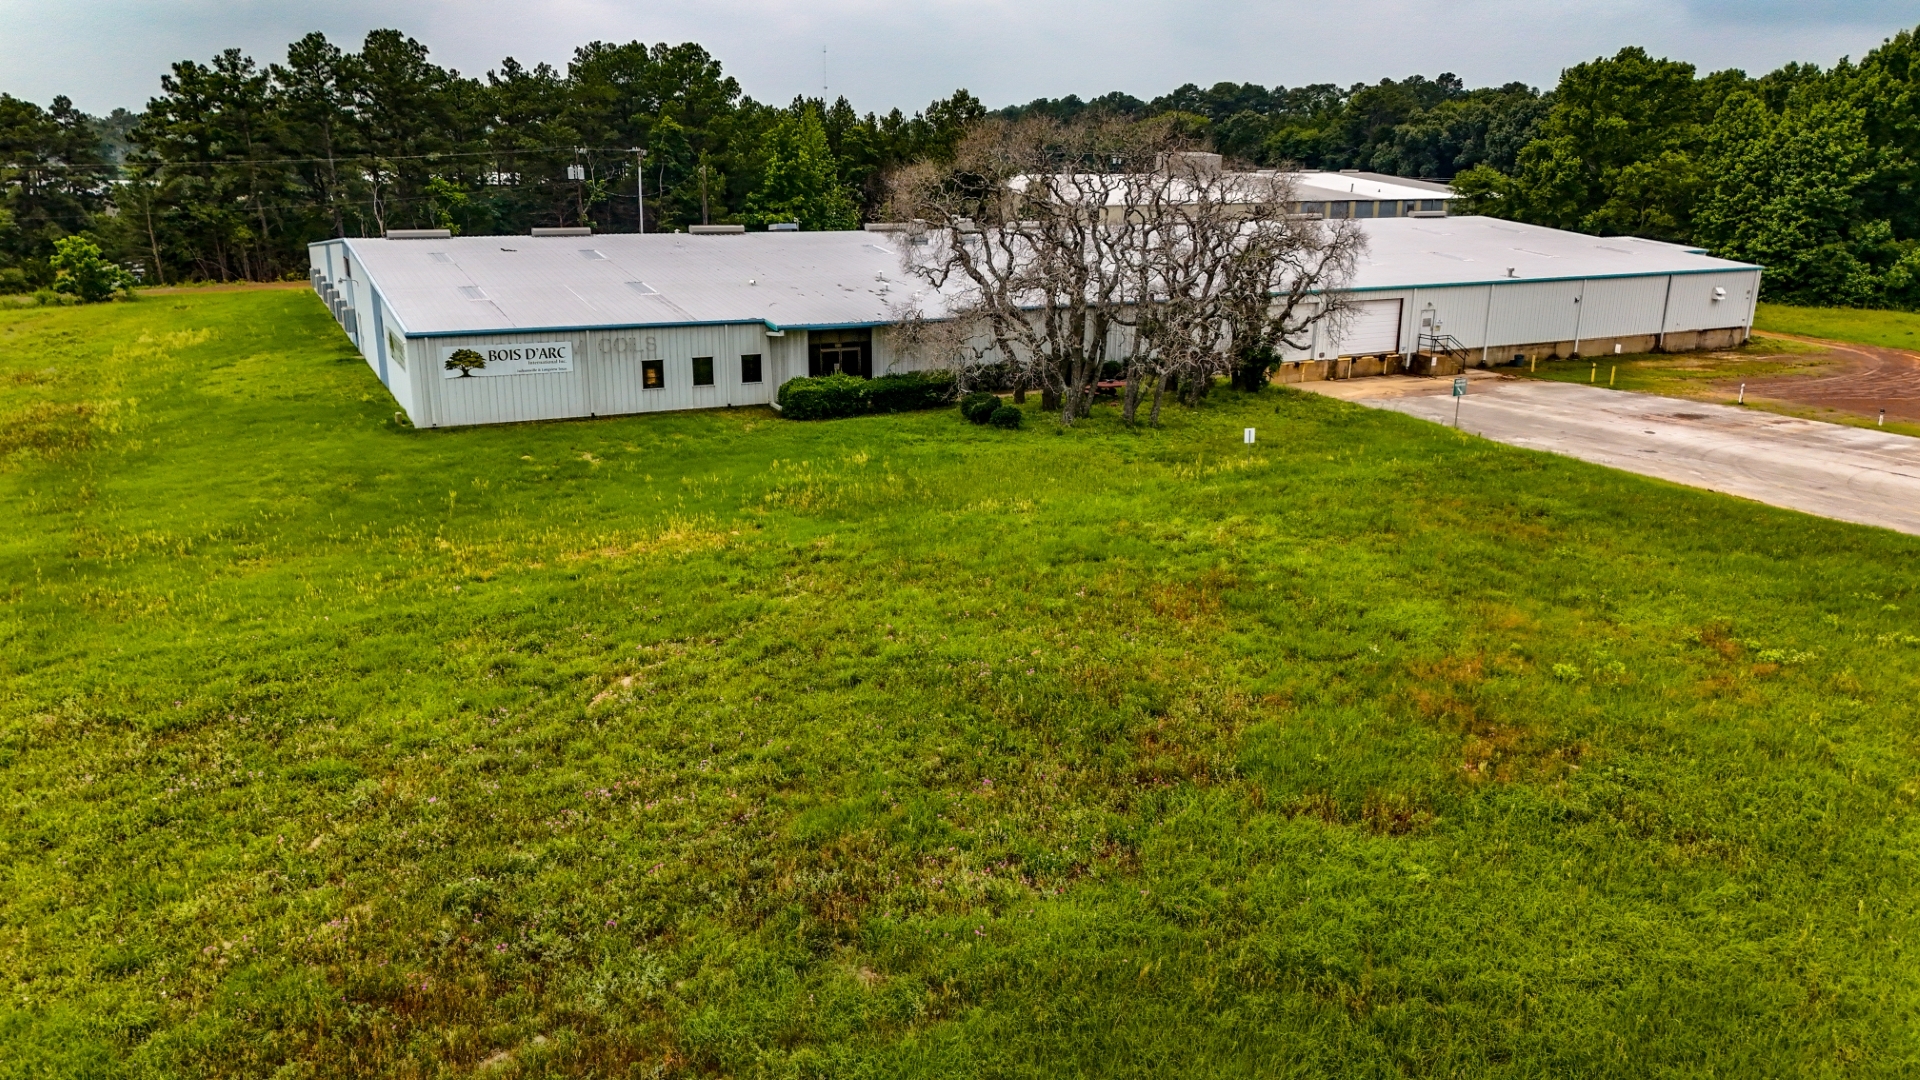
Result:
x=337 y=160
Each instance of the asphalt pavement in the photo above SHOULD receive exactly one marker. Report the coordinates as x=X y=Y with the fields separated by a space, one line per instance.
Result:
x=1851 y=474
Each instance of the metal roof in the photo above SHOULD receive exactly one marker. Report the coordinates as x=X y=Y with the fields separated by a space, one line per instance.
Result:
x=1372 y=187
x=473 y=284
x=476 y=284
x=1428 y=252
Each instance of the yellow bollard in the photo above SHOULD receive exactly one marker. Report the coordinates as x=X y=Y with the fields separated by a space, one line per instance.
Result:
x=1593 y=375
x=1533 y=365
x=1611 y=372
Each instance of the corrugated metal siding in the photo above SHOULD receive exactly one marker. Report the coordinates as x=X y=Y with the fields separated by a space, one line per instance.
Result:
x=1460 y=312
x=615 y=359
x=1620 y=307
x=606 y=375
x=1530 y=311
x=1692 y=306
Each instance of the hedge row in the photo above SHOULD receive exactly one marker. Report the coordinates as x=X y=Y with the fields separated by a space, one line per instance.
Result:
x=831 y=396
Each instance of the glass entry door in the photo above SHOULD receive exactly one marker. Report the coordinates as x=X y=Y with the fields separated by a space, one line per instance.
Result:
x=849 y=352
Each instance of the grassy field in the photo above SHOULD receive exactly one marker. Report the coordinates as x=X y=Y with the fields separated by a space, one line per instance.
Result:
x=1892 y=329
x=717 y=744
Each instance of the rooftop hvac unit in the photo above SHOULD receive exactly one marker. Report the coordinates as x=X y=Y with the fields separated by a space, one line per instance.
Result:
x=784 y=226
x=419 y=234
x=716 y=230
x=568 y=230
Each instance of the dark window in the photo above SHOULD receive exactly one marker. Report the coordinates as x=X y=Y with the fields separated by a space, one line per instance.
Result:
x=703 y=371
x=750 y=367
x=652 y=375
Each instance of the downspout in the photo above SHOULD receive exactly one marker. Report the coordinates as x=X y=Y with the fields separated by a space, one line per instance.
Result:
x=1579 y=304
x=1665 y=306
x=379 y=334
x=1486 y=329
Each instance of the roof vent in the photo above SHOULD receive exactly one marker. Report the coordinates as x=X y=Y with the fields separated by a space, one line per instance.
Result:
x=643 y=288
x=472 y=292
x=1427 y=213
x=784 y=226
x=716 y=230
x=589 y=253
x=439 y=256
x=571 y=230
x=419 y=234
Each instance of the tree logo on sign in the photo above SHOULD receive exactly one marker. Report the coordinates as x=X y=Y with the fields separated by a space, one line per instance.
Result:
x=465 y=361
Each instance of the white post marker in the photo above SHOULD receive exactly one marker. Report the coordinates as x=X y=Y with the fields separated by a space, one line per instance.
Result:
x=1247 y=436
x=1459 y=391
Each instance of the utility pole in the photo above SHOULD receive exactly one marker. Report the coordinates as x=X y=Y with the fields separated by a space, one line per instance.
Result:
x=640 y=186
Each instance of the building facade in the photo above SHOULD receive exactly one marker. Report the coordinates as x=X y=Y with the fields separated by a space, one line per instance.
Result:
x=481 y=330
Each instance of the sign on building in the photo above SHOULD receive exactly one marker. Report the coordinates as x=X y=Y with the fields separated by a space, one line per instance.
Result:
x=532 y=358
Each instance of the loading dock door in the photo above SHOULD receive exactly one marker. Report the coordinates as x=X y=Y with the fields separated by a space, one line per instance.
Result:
x=1372 y=329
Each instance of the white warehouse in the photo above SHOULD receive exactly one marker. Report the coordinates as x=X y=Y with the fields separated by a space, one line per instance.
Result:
x=555 y=326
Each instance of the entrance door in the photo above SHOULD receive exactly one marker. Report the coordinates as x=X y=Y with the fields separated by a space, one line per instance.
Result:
x=849 y=352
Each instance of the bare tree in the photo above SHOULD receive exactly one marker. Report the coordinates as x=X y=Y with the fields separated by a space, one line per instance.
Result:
x=1061 y=248
x=1032 y=225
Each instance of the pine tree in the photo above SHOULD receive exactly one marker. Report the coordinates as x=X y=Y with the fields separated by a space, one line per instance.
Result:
x=802 y=179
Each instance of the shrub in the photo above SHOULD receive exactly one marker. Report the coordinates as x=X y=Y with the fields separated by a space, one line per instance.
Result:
x=910 y=390
x=1006 y=416
x=823 y=398
x=978 y=406
x=831 y=396
x=81 y=271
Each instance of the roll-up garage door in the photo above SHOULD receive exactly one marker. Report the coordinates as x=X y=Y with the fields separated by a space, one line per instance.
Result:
x=1372 y=328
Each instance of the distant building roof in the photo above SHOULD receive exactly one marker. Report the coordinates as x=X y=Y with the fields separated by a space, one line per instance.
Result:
x=1377 y=187
x=480 y=284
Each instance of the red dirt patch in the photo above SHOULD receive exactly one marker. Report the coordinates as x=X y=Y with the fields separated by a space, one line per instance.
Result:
x=1859 y=379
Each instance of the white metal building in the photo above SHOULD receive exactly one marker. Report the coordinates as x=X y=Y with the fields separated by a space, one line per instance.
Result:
x=1502 y=289
x=575 y=326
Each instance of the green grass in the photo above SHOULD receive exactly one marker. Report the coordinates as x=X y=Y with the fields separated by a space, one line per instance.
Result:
x=1706 y=376
x=717 y=744
x=1892 y=329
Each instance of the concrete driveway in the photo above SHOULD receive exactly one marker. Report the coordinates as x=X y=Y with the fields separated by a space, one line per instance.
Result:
x=1852 y=474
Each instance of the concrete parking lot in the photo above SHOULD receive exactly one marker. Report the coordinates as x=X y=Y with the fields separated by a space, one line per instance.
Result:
x=1852 y=474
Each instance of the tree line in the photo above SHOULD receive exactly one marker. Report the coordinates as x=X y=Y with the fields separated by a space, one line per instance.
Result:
x=234 y=167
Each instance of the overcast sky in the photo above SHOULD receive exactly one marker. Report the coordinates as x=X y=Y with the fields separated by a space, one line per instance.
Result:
x=883 y=53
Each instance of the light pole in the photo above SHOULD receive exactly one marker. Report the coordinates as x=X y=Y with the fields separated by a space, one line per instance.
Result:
x=640 y=185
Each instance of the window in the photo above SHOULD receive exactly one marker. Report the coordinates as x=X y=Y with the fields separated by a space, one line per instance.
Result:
x=703 y=371
x=750 y=367
x=652 y=375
